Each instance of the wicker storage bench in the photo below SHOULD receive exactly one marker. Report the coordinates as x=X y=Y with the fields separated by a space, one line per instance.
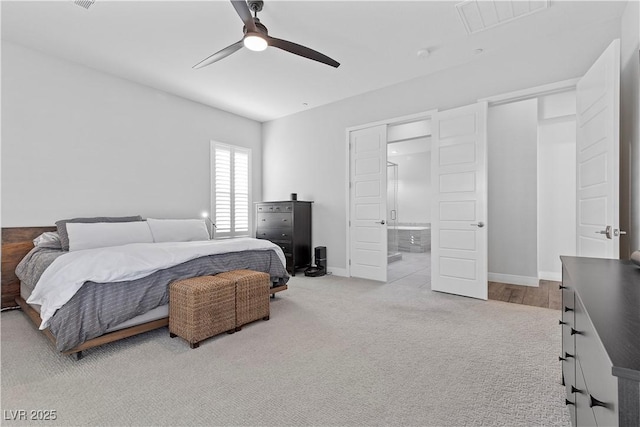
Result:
x=252 y=295
x=201 y=307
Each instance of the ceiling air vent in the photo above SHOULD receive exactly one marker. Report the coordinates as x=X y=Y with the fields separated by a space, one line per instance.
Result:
x=85 y=3
x=479 y=15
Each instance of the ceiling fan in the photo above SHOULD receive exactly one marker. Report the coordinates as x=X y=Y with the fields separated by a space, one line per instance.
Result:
x=256 y=38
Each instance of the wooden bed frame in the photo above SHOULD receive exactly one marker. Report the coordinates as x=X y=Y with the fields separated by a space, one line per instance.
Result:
x=16 y=243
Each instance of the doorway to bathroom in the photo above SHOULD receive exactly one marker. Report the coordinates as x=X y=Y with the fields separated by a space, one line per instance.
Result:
x=409 y=200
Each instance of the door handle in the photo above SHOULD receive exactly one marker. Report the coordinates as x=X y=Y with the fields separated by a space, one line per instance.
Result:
x=380 y=222
x=479 y=224
x=617 y=232
x=606 y=232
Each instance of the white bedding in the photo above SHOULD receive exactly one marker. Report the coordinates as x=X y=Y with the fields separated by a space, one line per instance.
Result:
x=66 y=275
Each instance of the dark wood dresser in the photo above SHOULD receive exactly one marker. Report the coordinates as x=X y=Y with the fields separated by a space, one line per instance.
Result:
x=287 y=224
x=601 y=341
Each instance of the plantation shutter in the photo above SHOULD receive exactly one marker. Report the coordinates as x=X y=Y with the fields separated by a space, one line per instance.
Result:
x=241 y=192
x=222 y=170
x=232 y=195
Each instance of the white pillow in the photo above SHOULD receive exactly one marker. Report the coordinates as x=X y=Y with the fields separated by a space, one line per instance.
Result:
x=104 y=234
x=178 y=230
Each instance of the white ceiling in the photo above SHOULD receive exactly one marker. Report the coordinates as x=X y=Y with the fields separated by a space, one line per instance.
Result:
x=157 y=42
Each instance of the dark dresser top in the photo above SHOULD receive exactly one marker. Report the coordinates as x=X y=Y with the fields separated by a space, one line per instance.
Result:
x=285 y=201
x=610 y=292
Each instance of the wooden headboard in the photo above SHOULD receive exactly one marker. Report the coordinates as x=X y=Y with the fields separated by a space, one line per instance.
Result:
x=16 y=242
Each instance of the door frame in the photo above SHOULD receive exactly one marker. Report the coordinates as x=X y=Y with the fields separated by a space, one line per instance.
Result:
x=516 y=96
x=396 y=120
x=532 y=92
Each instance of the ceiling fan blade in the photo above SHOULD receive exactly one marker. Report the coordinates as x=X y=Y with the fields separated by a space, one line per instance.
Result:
x=219 y=55
x=245 y=14
x=301 y=51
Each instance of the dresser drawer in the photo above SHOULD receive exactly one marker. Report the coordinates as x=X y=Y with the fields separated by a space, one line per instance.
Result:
x=568 y=349
x=584 y=414
x=274 y=220
x=274 y=234
x=596 y=369
x=275 y=207
x=568 y=320
x=569 y=377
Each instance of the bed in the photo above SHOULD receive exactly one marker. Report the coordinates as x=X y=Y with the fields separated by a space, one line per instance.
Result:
x=96 y=314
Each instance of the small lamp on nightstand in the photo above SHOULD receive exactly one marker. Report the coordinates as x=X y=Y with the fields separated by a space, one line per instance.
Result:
x=212 y=235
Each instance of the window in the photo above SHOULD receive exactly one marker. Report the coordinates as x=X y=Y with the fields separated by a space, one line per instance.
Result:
x=231 y=189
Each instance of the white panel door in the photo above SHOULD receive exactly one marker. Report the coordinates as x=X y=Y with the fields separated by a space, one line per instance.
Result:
x=598 y=145
x=368 y=203
x=459 y=205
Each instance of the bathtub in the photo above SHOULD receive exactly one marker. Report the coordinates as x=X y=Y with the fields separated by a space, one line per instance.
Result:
x=413 y=238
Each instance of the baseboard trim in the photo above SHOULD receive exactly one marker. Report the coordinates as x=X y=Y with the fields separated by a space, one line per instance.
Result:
x=513 y=279
x=341 y=272
x=550 y=275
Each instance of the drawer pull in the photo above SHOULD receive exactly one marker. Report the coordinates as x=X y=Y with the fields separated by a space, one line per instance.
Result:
x=567 y=309
x=284 y=220
x=568 y=402
x=595 y=402
x=566 y=356
x=576 y=390
x=574 y=332
x=284 y=235
x=560 y=322
x=561 y=287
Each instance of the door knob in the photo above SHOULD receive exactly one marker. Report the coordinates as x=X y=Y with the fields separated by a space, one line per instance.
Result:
x=380 y=222
x=480 y=224
x=606 y=232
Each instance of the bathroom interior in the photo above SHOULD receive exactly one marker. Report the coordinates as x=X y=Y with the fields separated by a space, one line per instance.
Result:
x=408 y=198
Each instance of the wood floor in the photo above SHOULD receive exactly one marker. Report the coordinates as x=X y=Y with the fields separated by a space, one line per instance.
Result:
x=547 y=295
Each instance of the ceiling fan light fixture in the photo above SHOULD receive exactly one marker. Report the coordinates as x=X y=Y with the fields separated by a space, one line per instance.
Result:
x=255 y=42
x=257 y=38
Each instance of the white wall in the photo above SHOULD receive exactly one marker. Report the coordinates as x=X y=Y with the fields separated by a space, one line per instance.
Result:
x=306 y=152
x=556 y=182
x=630 y=129
x=414 y=187
x=512 y=189
x=78 y=142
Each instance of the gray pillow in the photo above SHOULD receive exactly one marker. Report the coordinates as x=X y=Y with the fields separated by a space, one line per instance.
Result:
x=62 y=225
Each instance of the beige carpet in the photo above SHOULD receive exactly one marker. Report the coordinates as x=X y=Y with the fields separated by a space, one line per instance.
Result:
x=335 y=352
